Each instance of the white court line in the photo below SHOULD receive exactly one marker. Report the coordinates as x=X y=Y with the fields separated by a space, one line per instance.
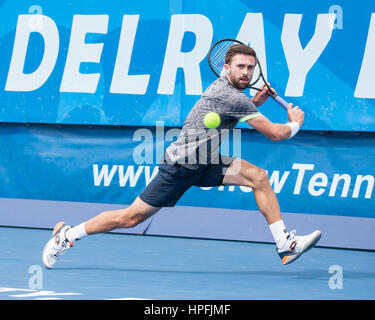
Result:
x=3 y=289
x=44 y=293
x=50 y=295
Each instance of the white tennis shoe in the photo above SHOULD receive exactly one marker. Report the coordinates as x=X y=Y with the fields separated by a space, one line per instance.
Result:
x=56 y=246
x=296 y=245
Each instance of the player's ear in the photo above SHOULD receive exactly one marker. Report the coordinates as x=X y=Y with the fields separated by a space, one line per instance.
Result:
x=225 y=70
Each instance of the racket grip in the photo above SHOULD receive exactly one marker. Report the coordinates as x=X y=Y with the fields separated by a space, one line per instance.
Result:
x=281 y=102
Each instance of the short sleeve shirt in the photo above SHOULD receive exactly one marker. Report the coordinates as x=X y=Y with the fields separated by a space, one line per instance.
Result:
x=197 y=144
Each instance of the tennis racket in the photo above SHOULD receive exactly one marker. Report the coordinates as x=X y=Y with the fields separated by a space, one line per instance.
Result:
x=216 y=61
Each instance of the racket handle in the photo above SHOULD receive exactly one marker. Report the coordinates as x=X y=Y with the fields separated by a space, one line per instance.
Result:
x=281 y=102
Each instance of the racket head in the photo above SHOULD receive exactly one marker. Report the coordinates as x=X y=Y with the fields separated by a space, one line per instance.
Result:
x=216 y=60
x=216 y=55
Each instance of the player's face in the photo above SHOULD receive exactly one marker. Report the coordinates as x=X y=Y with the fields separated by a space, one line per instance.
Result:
x=240 y=70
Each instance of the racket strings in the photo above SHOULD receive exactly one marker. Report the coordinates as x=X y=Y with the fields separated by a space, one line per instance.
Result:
x=217 y=55
x=217 y=61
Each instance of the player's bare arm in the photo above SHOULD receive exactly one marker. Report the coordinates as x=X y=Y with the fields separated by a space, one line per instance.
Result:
x=278 y=131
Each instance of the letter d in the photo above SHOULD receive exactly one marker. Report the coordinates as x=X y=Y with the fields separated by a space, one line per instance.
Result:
x=18 y=80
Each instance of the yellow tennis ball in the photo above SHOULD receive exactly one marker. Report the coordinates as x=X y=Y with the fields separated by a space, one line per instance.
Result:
x=211 y=120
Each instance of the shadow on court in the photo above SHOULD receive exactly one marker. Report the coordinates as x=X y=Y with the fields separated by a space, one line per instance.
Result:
x=310 y=274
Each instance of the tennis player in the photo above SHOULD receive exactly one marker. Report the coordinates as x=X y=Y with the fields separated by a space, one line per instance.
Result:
x=193 y=160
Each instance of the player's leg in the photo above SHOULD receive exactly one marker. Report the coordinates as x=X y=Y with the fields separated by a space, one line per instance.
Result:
x=243 y=173
x=128 y=217
x=164 y=190
x=64 y=236
x=289 y=246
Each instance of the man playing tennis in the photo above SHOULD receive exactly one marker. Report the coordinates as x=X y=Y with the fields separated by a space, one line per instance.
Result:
x=185 y=164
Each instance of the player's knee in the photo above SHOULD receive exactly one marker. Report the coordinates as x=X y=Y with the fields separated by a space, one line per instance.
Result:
x=260 y=178
x=128 y=218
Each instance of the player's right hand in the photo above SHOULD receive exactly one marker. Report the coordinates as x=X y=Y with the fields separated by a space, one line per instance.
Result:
x=295 y=114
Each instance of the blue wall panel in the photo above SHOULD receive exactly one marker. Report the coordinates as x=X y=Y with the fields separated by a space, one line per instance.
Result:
x=129 y=63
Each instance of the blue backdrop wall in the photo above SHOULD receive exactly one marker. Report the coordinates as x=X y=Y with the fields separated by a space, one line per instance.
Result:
x=129 y=63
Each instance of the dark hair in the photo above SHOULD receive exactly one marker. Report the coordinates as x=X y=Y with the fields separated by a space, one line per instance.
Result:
x=238 y=49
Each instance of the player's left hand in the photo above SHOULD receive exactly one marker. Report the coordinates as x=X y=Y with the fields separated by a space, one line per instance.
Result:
x=261 y=96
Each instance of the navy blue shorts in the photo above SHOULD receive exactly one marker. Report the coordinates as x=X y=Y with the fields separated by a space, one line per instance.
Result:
x=172 y=180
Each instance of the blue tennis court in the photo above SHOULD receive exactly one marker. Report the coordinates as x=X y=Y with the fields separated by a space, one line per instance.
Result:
x=118 y=266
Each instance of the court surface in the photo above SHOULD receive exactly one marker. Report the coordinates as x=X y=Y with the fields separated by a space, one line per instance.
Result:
x=118 y=266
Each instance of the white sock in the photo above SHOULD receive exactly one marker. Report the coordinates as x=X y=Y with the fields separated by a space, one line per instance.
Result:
x=76 y=233
x=279 y=233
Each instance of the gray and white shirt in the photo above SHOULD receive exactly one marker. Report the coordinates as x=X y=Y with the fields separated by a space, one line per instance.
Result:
x=197 y=144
